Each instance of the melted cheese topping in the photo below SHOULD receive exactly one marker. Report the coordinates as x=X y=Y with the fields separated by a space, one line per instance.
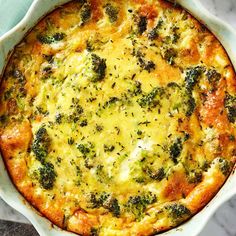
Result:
x=118 y=118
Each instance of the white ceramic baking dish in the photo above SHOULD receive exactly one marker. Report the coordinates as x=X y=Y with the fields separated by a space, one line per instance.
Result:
x=8 y=192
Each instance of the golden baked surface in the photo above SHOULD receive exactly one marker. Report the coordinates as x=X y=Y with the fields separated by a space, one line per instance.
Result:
x=118 y=117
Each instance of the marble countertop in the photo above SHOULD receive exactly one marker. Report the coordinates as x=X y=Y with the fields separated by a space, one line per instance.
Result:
x=223 y=222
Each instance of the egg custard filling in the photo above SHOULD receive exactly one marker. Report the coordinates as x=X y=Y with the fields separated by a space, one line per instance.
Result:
x=118 y=117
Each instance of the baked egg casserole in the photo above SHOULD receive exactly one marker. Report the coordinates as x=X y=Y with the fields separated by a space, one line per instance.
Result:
x=117 y=118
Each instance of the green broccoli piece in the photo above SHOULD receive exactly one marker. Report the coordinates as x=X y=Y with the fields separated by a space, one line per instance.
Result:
x=85 y=13
x=192 y=76
x=96 y=68
x=230 y=105
x=77 y=111
x=41 y=144
x=47 y=176
x=93 y=44
x=112 y=12
x=102 y=175
x=113 y=206
x=138 y=204
x=83 y=123
x=156 y=174
x=153 y=34
x=96 y=200
x=8 y=93
x=191 y=104
x=178 y=211
x=175 y=150
x=105 y=200
x=194 y=176
x=58 y=118
x=17 y=74
x=142 y=24
x=170 y=55
x=147 y=65
x=110 y=102
x=144 y=64
x=225 y=166
x=148 y=100
x=84 y=149
x=109 y=148
x=48 y=39
x=213 y=76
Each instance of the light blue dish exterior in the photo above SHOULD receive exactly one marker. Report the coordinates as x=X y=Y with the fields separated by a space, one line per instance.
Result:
x=8 y=192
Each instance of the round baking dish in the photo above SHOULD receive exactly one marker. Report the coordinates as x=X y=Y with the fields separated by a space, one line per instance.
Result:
x=8 y=192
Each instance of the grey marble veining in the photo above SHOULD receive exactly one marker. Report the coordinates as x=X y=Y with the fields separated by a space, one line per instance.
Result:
x=224 y=9
x=15 y=229
x=7 y=213
x=223 y=223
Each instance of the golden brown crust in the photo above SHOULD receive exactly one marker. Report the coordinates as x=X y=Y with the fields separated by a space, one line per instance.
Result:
x=204 y=192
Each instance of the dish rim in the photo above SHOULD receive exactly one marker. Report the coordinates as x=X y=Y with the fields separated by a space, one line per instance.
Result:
x=43 y=225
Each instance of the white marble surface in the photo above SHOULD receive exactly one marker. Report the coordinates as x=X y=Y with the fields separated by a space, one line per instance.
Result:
x=223 y=223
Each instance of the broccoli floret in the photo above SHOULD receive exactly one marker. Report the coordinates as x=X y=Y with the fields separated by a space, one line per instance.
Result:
x=93 y=44
x=17 y=74
x=156 y=175
x=105 y=200
x=138 y=204
x=230 y=105
x=77 y=111
x=109 y=148
x=111 y=101
x=58 y=36
x=175 y=34
x=75 y=104
x=88 y=153
x=83 y=123
x=153 y=34
x=84 y=149
x=142 y=24
x=195 y=176
x=97 y=68
x=144 y=64
x=96 y=200
x=191 y=104
x=58 y=118
x=178 y=211
x=225 y=166
x=41 y=144
x=192 y=77
x=170 y=55
x=47 y=176
x=102 y=175
x=85 y=13
x=149 y=99
x=113 y=206
x=112 y=12
x=213 y=76
x=99 y=128
x=8 y=93
x=48 y=39
x=175 y=150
